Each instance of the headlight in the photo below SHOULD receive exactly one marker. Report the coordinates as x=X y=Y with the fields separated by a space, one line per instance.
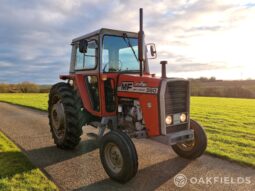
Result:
x=168 y=120
x=183 y=117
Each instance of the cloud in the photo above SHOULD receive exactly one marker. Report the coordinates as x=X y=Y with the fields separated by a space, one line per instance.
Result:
x=35 y=36
x=6 y=64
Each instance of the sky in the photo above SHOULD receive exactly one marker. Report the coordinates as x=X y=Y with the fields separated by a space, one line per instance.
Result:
x=198 y=38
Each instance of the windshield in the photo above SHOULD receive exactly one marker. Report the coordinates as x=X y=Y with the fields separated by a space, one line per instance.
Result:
x=118 y=56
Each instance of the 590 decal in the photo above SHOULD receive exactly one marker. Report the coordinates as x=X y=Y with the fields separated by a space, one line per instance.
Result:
x=140 y=87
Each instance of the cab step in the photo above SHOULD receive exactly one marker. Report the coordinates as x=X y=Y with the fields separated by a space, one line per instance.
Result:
x=96 y=124
x=92 y=135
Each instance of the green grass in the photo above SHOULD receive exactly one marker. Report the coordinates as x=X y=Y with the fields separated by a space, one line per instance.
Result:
x=229 y=123
x=33 y=100
x=230 y=126
x=17 y=173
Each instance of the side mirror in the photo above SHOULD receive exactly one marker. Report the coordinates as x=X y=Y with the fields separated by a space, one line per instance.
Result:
x=83 y=45
x=153 y=52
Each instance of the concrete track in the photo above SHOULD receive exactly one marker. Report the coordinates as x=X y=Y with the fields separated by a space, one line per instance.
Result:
x=81 y=168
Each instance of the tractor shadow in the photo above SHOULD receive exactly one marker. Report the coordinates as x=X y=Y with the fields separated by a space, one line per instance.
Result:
x=12 y=163
x=47 y=156
x=149 y=178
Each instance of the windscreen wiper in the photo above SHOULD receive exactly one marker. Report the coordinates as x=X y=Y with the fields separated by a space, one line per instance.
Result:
x=127 y=40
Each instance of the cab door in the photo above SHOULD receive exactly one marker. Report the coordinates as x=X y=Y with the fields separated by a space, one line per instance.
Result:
x=87 y=77
x=108 y=83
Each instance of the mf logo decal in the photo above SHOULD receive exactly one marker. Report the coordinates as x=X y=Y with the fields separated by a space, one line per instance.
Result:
x=125 y=86
x=141 y=84
x=137 y=87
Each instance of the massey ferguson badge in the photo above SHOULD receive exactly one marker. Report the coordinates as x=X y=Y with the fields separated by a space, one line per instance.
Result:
x=137 y=87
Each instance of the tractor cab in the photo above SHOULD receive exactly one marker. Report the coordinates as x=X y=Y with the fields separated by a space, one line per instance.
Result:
x=106 y=51
x=98 y=59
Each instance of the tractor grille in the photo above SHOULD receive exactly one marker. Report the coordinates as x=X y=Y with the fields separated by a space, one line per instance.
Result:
x=176 y=101
x=177 y=97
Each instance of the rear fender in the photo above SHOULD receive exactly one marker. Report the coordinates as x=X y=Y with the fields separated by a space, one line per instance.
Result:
x=67 y=77
x=79 y=83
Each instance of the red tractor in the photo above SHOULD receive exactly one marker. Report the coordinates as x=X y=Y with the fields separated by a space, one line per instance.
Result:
x=109 y=87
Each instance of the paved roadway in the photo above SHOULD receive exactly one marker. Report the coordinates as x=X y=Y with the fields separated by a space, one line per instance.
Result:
x=81 y=169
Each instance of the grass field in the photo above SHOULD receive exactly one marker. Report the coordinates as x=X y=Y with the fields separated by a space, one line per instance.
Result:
x=229 y=123
x=17 y=173
x=230 y=126
x=33 y=100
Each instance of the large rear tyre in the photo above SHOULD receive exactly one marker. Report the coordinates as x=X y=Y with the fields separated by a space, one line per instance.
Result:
x=193 y=149
x=65 y=118
x=118 y=156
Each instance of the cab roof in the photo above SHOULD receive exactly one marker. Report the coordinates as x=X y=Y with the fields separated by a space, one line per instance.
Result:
x=105 y=31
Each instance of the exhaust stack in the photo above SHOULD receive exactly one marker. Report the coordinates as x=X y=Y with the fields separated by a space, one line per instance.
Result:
x=163 y=70
x=141 y=43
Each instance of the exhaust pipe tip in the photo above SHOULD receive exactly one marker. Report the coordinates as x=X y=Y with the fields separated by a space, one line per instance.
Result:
x=163 y=68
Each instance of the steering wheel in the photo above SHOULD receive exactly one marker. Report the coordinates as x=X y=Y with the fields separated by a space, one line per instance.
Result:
x=120 y=63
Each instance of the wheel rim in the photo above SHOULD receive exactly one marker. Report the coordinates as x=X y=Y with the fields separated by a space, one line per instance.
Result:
x=58 y=119
x=187 y=146
x=113 y=157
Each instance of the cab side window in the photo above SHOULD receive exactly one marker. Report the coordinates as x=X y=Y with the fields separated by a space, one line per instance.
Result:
x=86 y=60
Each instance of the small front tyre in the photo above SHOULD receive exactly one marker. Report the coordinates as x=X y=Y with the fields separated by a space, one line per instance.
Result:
x=118 y=156
x=192 y=149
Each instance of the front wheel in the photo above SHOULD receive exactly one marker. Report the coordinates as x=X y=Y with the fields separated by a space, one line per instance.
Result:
x=118 y=156
x=193 y=149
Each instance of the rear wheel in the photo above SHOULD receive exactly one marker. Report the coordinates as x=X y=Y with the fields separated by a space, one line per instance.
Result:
x=118 y=156
x=195 y=148
x=65 y=116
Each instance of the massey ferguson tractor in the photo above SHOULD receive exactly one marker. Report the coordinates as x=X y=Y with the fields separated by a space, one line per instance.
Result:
x=110 y=87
